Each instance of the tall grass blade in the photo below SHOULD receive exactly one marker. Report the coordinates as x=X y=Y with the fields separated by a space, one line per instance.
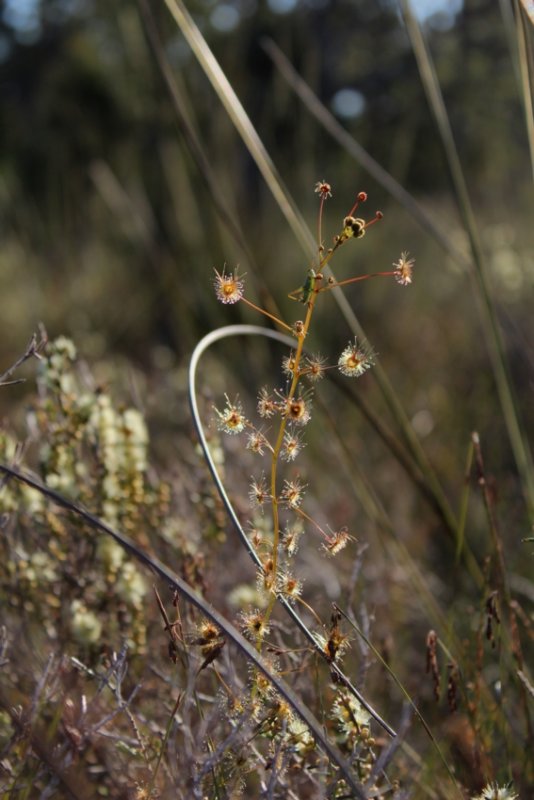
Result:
x=488 y=315
x=464 y=503
x=525 y=35
x=189 y=133
x=239 y=117
x=528 y=8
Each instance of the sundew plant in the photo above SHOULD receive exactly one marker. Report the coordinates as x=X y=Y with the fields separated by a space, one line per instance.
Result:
x=287 y=407
x=291 y=408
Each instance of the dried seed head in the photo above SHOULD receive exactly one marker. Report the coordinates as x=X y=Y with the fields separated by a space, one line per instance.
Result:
x=228 y=286
x=432 y=666
x=211 y=641
x=256 y=538
x=452 y=686
x=337 y=642
x=265 y=576
x=207 y=631
x=356 y=359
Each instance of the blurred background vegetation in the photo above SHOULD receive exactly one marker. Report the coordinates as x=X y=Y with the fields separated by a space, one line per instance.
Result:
x=110 y=232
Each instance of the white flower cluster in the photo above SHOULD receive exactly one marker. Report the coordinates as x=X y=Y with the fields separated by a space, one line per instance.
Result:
x=85 y=626
x=61 y=353
x=122 y=441
x=495 y=792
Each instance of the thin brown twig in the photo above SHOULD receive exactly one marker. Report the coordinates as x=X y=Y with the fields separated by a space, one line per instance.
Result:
x=33 y=350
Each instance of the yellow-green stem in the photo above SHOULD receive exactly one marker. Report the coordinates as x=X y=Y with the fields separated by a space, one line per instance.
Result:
x=276 y=454
x=280 y=438
x=267 y=314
